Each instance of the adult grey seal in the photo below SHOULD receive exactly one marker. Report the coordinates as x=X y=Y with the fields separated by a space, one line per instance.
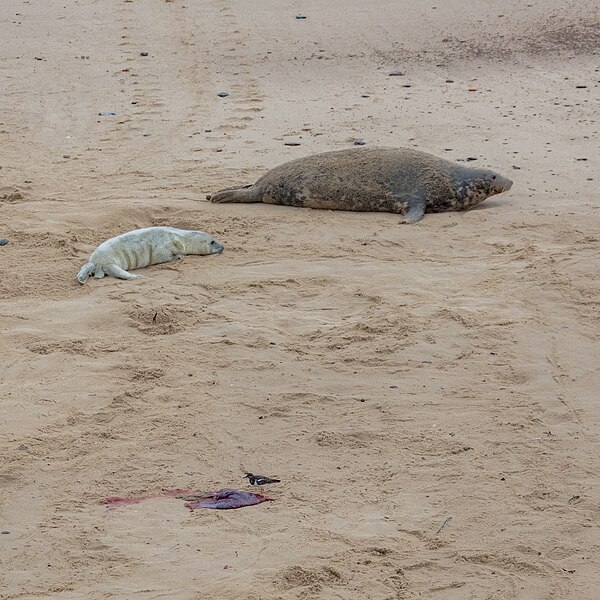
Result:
x=397 y=180
x=143 y=247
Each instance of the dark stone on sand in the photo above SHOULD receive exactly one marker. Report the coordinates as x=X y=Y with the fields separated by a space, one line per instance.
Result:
x=396 y=74
x=407 y=85
x=449 y=80
x=292 y=143
x=359 y=143
x=300 y=17
x=223 y=94
x=143 y=54
x=5 y=532
x=581 y=87
x=470 y=158
x=3 y=241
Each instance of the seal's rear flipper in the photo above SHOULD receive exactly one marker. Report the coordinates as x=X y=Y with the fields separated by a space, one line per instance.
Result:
x=85 y=272
x=116 y=271
x=247 y=193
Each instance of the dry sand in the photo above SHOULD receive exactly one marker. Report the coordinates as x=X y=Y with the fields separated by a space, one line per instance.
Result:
x=392 y=376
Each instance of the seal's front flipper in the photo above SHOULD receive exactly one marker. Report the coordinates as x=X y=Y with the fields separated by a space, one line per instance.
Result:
x=247 y=193
x=85 y=272
x=116 y=271
x=415 y=213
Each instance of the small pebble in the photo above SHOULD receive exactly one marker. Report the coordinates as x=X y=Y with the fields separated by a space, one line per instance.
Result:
x=581 y=87
x=66 y=156
x=3 y=241
x=407 y=85
x=365 y=96
x=393 y=387
x=472 y=89
x=23 y=447
x=292 y=143
x=426 y=362
x=470 y=158
x=5 y=532
x=396 y=74
x=359 y=143
x=300 y=17
x=146 y=134
x=223 y=94
x=502 y=478
x=143 y=54
x=516 y=168
x=107 y=113
x=449 y=80
x=582 y=159
x=465 y=448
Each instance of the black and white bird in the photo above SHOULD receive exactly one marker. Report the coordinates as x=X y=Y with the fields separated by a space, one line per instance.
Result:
x=260 y=480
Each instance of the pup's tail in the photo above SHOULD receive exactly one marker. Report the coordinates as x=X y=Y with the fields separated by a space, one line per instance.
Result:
x=85 y=271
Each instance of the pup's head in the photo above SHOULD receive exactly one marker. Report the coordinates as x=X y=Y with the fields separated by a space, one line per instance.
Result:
x=199 y=242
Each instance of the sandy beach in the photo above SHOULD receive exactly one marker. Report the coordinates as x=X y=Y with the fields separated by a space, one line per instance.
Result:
x=427 y=393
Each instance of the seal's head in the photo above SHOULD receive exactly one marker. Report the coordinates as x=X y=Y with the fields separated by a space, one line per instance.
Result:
x=198 y=242
x=473 y=186
x=216 y=247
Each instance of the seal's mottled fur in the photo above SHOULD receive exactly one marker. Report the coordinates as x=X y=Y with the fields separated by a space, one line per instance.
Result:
x=397 y=180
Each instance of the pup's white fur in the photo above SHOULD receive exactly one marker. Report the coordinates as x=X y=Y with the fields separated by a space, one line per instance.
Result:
x=143 y=247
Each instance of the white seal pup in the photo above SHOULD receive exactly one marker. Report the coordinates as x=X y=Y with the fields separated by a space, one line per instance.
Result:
x=143 y=247
x=397 y=180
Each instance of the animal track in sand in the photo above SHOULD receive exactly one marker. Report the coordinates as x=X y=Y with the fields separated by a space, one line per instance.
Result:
x=145 y=374
x=162 y=320
x=11 y=194
x=350 y=571
x=68 y=346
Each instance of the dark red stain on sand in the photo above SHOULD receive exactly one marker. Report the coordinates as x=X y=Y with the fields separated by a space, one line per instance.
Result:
x=115 y=501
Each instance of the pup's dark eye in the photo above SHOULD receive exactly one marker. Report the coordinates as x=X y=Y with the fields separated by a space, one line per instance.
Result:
x=493 y=177
x=212 y=243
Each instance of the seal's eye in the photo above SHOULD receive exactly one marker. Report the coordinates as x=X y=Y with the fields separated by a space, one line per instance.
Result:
x=212 y=243
x=493 y=177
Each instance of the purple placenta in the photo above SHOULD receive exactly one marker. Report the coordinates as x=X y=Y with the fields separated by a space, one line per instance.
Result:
x=227 y=498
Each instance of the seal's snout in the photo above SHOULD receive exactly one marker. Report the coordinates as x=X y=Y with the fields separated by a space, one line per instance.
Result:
x=502 y=184
x=216 y=248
